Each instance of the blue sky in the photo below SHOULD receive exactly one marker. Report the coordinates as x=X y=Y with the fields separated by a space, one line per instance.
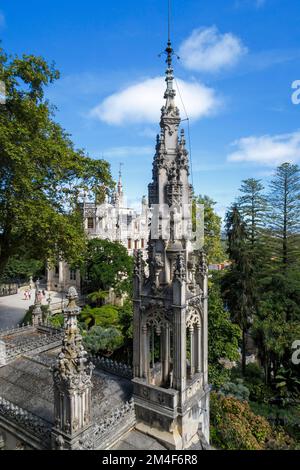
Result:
x=238 y=61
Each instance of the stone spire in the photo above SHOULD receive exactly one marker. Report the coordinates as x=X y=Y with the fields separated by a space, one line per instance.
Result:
x=37 y=314
x=170 y=303
x=72 y=383
x=120 y=187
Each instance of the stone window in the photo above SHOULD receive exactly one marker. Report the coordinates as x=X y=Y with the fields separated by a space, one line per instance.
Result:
x=142 y=243
x=136 y=244
x=90 y=222
x=129 y=243
x=72 y=274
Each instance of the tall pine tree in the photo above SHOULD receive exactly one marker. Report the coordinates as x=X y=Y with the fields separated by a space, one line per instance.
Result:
x=284 y=224
x=252 y=205
x=239 y=281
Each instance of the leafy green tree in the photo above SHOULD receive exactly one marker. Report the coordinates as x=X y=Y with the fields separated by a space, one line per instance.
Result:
x=98 y=297
x=239 y=286
x=107 y=265
x=284 y=200
x=223 y=336
x=19 y=267
x=274 y=337
x=212 y=230
x=41 y=173
x=126 y=320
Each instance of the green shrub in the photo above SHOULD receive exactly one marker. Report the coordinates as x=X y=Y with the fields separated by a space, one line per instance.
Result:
x=237 y=390
x=105 y=316
x=57 y=321
x=234 y=426
x=260 y=392
x=254 y=374
x=105 y=340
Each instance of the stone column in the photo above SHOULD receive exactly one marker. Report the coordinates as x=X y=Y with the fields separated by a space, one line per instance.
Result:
x=198 y=349
x=145 y=338
x=37 y=314
x=179 y=364
x=166 y=353
x=192 y=351
x=152 y=346
x=61 y=279
x=50 y=273
x=2 y=442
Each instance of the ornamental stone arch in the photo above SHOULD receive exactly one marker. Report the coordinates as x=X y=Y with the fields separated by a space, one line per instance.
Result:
x=157 y=318
x=194 y=318
x=194 y=329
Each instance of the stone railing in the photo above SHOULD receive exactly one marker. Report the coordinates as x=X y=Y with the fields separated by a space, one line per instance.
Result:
x=47 y=328
x=15 y=349
x=16 y=329
x=29 y=422
x=109 y=430
x=111 y=366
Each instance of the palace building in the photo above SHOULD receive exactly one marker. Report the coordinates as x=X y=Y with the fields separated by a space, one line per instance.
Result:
x=112 y=220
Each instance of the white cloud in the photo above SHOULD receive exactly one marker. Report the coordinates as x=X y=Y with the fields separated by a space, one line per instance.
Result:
x=267 y=150
x=128 y=151
x=141 y=103
x=208 y=50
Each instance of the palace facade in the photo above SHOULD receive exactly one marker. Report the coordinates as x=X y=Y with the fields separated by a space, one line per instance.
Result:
x=112 y=220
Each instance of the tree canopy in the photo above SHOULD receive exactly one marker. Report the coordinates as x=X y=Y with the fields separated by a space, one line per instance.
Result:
x=41 y=172
x=107 y=265
x=212 y=230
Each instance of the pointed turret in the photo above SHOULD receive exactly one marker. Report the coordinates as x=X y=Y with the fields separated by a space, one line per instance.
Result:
x=72 y=383
x=170 y=304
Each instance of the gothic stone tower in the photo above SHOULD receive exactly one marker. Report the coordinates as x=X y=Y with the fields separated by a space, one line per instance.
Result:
x=72 y=384
x=171 y=390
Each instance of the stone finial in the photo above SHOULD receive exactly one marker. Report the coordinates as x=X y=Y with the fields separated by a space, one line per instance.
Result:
x=72 y=378
x=37 y=314
x=72 y=297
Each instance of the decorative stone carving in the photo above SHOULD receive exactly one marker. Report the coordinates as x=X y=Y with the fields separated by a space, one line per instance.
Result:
x=31 y=423
x=139 y=264
x=180 y=268
x=193 y=318
x=106 y=430
x=117 y=368
x=72 y=377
